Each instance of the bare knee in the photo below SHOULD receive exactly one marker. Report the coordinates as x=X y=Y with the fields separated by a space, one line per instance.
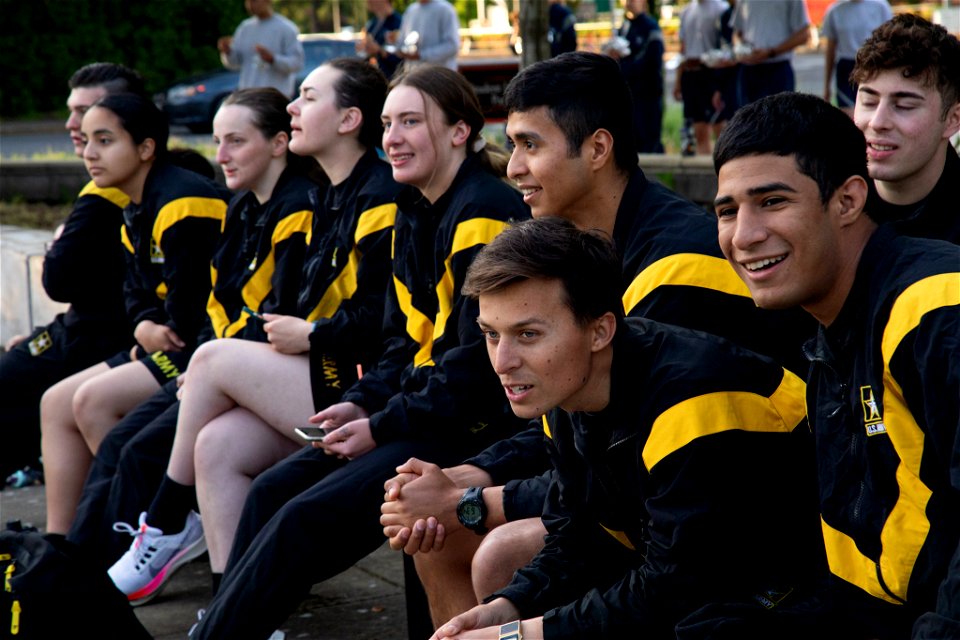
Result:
x=206 y=355
x=504 y=550
x=56 y=407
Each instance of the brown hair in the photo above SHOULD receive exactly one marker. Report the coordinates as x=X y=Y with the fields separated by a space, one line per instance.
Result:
x=458 y=101
x=919 y=49
x=270 y=117
x=552 y=248
x=363 y=86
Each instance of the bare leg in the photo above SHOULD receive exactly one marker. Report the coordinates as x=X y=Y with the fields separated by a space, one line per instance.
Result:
x=231 y=451
x=101 y=402
x=701 y=133
x=66 y=457
x=504 y=550
x=446 y=576
x=717 y=128
x=227 y=373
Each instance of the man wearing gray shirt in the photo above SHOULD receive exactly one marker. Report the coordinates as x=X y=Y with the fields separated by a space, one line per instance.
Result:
x=438 y=39
x=772 y=30
x=847 y=25
x=264 y=48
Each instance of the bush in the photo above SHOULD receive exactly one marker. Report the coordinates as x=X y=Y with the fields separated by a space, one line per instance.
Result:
x=44 y=41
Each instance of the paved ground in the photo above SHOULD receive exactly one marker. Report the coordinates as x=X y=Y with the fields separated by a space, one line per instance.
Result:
x=364 y=603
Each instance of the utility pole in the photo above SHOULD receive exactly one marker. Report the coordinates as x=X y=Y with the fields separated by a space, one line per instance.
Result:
x=533 y=31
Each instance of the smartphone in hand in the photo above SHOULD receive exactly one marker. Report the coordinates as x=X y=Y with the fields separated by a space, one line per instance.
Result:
x=311 y=434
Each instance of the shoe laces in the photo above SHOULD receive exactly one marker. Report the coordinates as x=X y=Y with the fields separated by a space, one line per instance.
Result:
x=141 y=553
x=200 y=613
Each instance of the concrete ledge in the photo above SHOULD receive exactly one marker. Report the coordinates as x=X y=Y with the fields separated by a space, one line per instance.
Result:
x=52 y=181
x=23 y=302
x=60 y=180
x=690 y=176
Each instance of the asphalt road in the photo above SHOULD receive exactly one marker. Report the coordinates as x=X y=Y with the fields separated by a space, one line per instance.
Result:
x=24 y=140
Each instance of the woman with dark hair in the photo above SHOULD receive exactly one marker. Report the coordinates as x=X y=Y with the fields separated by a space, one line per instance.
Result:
x=170 y=229
x=432 y=394
x=256 y=269
x=265 y=390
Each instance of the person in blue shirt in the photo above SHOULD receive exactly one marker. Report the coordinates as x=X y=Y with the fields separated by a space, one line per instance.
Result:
x=379 y=31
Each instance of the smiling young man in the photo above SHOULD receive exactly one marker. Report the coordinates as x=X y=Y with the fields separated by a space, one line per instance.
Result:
x=678 y=481
x=908 y=107
x=883 y=392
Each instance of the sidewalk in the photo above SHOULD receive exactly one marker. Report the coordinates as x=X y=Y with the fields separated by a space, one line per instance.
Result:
x=363 y=603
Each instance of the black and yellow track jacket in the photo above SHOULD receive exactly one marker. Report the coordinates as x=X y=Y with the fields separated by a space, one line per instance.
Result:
x=260 y=258
x=884 y=400
x=699 y=489
x=348 y=266
x=673 y=272
x=170 y=237
x=936 y=217
x=347 y=274
x=85 y=267
x=434 y=354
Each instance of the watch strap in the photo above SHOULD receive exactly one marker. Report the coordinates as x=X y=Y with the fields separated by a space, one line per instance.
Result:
x=510 y=631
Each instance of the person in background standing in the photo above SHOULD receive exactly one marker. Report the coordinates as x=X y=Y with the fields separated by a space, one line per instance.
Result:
x=562 y=32
x=264 y=48
x=696 y=83
x=642 y=67
x=771 y=31
x=438 y=34
x=847 y=25
x=384 y=24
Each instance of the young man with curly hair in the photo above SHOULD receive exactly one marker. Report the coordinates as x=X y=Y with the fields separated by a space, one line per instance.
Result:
x=908 y=107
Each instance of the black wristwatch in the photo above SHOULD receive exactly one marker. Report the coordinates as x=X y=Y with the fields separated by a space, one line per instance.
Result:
x=472 y=511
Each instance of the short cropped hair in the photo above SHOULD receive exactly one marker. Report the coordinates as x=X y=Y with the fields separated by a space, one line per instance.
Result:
x=583 y=92
x=920 y=49
x=552 y=248
x=826 y=144
x=114 y=78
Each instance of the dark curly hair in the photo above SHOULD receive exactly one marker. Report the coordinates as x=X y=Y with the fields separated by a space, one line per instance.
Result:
x=919 y=49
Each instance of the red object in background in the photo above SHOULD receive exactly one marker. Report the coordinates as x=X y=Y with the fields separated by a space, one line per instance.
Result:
x=816 y=9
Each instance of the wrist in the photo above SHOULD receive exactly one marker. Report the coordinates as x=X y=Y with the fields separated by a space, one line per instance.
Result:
x=511 y=631
x=472 y=510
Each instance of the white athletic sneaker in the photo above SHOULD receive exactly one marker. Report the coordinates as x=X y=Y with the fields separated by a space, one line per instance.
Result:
x=144 y=569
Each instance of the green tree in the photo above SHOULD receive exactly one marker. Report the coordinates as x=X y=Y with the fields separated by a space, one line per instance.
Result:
x=43 y=41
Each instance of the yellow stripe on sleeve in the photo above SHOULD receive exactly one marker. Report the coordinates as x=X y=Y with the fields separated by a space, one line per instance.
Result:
x=687 y=269
x=714 y=413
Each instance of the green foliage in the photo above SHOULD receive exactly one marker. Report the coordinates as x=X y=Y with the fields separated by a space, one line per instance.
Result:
x=42 y=42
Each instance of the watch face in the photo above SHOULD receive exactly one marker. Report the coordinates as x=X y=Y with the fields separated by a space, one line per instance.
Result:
x=470 y=512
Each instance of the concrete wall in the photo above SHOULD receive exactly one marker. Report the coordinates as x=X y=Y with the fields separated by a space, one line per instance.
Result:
x=59 y=180
x=23 y=302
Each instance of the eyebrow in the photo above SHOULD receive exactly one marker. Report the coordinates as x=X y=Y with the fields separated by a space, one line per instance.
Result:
x=402 y=114
x=526 y=322
x=896 y=94
x=521 y=136
x=756 y=191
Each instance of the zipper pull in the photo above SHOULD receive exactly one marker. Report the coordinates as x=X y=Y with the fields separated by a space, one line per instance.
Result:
x=15 y=618
x=6 y=578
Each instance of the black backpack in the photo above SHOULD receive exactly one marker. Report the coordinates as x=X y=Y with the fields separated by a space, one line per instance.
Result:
x=50 y=590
